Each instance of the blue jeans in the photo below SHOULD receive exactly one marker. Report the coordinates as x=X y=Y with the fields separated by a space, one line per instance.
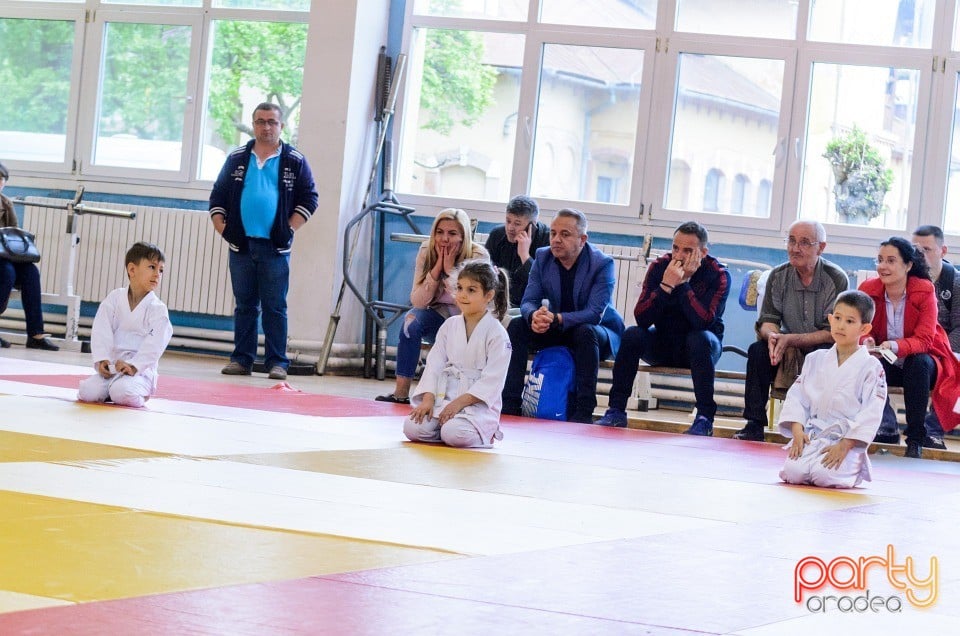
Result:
x=260 y=278
x=27 y=277
x=587 y=343
x=418 y=324
x=698 y=351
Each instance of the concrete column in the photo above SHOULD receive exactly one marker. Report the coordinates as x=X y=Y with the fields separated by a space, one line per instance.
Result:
x=337 y=135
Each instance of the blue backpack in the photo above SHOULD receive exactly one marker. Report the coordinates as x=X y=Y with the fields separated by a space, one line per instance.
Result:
x=550 y=381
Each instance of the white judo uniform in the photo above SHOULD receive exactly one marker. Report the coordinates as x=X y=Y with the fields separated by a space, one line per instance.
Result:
x=834 y=402
x=138 y=337
x=456 y=365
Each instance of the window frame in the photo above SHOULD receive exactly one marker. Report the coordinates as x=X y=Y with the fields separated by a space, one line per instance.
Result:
x=927 y=197
x=874 y=57
x=90 y=94
x=89 y=17
x=668 y=73
x=66 y=13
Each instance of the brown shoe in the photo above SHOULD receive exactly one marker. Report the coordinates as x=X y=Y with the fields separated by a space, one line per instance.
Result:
x=235 y=368
x=277 y=373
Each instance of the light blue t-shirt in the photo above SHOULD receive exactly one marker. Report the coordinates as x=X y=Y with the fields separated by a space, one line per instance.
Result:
x=258 y=202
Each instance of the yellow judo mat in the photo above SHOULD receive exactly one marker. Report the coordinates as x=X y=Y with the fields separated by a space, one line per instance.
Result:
x=102 y=503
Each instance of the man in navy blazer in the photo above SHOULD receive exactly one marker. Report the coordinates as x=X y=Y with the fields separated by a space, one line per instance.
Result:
x=577 y=280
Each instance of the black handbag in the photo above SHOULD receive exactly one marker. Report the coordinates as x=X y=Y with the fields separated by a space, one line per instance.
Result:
x=17 y=245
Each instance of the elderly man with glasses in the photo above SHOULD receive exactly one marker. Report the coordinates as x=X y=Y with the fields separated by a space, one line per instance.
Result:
x=793 y=319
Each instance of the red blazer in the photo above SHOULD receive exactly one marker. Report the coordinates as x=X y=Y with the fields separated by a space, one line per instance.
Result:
x=922 y=334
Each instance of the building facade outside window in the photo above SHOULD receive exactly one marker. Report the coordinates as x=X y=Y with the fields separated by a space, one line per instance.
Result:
x=777 y=94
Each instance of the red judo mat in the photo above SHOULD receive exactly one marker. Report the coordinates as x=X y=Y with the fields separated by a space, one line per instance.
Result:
x=281 y=397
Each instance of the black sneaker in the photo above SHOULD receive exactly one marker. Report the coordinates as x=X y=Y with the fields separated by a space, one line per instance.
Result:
x=931 y=441
x=41 y=343
x=390 y=397
x=4 y=344
x=914 y=450
x=752 y=432
x=887 y=438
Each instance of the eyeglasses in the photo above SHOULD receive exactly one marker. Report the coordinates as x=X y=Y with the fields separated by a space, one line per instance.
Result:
x=273 y=123
x=802 y=243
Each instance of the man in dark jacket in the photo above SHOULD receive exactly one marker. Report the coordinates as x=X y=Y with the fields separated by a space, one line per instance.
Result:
x=265 y=193
x=679 y=323
x=513 y=245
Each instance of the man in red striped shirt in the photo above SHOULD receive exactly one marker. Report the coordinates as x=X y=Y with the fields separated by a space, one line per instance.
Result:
x=679 y=324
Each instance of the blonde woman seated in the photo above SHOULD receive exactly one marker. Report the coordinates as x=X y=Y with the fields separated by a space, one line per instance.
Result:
x=431 y=296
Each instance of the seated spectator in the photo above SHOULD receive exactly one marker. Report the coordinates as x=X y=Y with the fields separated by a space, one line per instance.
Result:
x=906 y=325
x=679 y=324
x=432 y=298
x=929 y=240
x=798 y=297
x=577 y=281
x=513 y=245
x=26 y=276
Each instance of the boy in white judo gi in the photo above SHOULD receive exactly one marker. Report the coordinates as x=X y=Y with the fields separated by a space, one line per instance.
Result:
x=833 y=410
x=457 y=400
x=130 y=332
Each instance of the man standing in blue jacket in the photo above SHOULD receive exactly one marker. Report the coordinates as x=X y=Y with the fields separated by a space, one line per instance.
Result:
x=264 y=193
x=577 y=282
x=679 y=324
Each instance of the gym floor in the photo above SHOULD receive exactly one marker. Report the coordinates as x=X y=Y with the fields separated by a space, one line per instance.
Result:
x=245 y=506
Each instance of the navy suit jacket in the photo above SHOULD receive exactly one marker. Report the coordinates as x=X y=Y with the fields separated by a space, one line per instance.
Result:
x=592 y=292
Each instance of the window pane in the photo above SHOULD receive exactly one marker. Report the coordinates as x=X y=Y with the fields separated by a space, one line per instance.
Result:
x=502 y=10
x=638 y=14
x=282 y=5
x=857 y=157
x=460 y=119
x=878 y=22
x=158 y=3
x=956 y=28
x=143 y=95
x=35 y=62
x=739 y=17
x=586 y=123
x=725 y=121
x=238 y=82
x=951 y=214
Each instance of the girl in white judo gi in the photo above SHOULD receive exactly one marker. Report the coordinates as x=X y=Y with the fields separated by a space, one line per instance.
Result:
x=130 y=332
x=833 y=410
x=457 y=400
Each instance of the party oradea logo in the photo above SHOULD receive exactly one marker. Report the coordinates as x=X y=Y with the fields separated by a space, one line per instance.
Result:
x=895 y=584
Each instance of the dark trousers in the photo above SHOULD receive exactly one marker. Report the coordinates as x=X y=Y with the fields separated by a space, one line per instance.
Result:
x=698 y=351
x=756 y=388
x=26 y=276
x=587 y=343
x=917 y=377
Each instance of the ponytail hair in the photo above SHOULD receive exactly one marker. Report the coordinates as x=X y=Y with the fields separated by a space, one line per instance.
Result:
x=489 y=277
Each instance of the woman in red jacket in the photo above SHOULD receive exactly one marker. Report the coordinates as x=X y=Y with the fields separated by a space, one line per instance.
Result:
x=906 y=324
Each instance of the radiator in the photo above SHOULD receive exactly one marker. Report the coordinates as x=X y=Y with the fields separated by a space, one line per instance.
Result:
x=195 y=276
